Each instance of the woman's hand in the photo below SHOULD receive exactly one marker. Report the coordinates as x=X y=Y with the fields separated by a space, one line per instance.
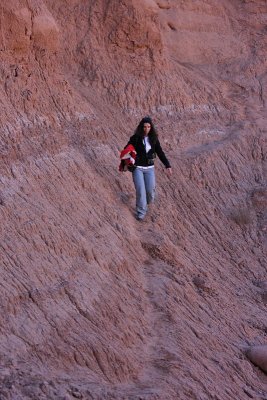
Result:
x=169 y=171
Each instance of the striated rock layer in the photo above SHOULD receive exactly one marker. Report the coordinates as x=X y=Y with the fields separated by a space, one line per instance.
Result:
x=95 y=305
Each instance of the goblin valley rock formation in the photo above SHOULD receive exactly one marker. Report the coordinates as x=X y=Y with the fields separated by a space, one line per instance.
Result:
x=94 y=304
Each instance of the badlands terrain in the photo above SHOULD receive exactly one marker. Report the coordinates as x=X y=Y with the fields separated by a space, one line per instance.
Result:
x=94 y=304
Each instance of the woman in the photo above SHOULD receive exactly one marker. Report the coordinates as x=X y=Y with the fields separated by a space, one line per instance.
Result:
x=146 y=143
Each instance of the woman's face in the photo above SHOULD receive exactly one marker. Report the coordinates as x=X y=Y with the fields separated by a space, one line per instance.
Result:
x=146 y=128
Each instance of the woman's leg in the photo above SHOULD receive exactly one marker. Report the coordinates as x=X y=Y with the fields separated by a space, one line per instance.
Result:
x=141 y=202
x=150 y=184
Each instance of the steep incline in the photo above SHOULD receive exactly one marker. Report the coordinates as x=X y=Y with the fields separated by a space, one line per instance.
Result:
x=94 y=304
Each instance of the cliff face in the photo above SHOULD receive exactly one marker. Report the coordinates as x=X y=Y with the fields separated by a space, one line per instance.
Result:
x=94 y=304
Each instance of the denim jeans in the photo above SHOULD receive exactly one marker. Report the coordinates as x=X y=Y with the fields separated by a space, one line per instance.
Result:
x=145 y=184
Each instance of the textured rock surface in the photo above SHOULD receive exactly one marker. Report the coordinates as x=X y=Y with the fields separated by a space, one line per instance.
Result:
x=258 y=355
x=93 y=304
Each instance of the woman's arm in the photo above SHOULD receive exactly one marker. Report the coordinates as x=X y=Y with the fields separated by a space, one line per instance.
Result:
x=161 y=155
x=132 y=141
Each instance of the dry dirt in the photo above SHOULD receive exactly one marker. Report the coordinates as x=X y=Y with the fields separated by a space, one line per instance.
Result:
x=95 y=305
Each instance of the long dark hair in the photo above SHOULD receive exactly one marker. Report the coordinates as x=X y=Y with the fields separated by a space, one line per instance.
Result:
x=152 y=133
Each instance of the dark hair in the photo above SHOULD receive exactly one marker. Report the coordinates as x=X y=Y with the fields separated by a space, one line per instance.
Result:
x=152 y=133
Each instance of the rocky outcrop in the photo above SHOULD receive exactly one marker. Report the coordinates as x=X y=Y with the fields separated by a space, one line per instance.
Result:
x=95 y=305
x=258 y=355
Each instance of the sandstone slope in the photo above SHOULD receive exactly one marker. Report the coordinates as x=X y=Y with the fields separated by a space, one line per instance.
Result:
x=94 y=304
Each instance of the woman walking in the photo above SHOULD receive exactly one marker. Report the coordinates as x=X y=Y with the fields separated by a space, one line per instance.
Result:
x=146 y=143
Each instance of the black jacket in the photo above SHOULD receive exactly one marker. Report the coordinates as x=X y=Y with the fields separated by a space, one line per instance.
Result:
x=145 y=159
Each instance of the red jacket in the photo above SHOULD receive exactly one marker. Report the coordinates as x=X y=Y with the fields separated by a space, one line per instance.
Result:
x=127 y=157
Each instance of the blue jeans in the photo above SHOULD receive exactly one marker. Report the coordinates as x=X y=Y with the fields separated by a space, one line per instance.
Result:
x=145 y=185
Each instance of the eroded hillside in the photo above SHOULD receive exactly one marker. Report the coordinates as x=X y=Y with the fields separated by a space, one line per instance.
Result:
x=94 y=304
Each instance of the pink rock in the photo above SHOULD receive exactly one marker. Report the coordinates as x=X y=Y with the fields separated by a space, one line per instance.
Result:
x=258 y=356
x=91 y=302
